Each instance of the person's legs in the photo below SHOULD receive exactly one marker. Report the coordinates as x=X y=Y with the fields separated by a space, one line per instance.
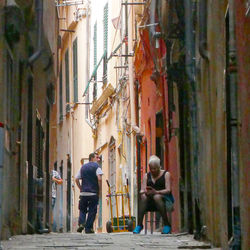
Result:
x=82 y=217
x=142 y=209
x=83 y=205
x=160 y=205
x=92 y=205
x=53 y=203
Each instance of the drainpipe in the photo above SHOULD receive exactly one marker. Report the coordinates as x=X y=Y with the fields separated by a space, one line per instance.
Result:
x=189 y=41
x=152 y=20
x=203 y=29
x=138 y=142
x=126 y=32
x=2 y=24
x=190 y=71
x=130 y=61
x=87 y=69
x=39 y=15
x=1 y=173
x=87 y=62
x=234 y=130
x=154 y=36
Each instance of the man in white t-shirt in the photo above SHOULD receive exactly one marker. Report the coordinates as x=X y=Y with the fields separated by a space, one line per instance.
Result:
x=90 y=175
x=56 y=179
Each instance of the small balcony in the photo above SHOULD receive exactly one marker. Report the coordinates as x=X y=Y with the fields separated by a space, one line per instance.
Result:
x=107 y=92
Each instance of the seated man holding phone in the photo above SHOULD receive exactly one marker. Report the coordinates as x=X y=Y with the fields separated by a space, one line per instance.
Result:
x=156 y=190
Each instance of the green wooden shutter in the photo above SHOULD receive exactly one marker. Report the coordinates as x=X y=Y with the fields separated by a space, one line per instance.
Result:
x=95 y=61
x=105 y=27
x=75 y=71
x=95 y=44
x=67 y=80
x=60 y=96
x=105 y=42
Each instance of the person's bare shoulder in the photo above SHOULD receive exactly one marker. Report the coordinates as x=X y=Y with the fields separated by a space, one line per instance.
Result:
x=167 y=175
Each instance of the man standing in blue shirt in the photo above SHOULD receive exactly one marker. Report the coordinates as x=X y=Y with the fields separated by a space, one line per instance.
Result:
x=90 y=187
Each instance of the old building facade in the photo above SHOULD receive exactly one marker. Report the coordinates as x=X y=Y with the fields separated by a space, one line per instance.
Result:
x=110 y=89
x=126 y=79
x=29 y=59
x=74 y=137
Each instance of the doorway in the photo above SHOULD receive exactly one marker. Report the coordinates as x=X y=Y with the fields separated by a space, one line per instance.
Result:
x=29 y=157
x=68 y=222
x=112 y=171
x=159 y=137
x=185 y=186
x=233 y=182
x=229 y=182
x=159 y=151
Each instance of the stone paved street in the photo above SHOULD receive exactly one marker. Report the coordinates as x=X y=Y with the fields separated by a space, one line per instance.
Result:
x=103 y=241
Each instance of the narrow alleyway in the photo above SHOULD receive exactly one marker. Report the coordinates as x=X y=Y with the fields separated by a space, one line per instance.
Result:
x=124 y=108
x=104 y=241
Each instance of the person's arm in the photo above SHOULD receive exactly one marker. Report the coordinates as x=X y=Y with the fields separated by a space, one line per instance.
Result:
x=144 y=184
x=99 y=174
x=77 y=179
x=99 y=178
x=57 y=181
x=78 y=183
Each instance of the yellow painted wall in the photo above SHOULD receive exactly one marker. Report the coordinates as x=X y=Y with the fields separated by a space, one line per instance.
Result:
x=111 y=123
x=74 y=134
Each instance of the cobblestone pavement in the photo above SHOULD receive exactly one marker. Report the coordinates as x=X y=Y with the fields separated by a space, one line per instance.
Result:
x=103 y=241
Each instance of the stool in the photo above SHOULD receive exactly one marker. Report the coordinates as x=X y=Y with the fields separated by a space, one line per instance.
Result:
x=153 y=219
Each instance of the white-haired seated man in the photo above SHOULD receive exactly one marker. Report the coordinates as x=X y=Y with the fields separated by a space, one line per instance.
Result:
x=155 y=192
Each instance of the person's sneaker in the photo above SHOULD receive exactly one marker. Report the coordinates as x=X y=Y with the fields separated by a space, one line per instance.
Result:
x=89 y=231
x=166 y=230
x=137 y=230
x=80 y=228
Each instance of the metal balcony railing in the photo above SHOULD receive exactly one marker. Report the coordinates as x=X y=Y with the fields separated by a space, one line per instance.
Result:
x=61 y=3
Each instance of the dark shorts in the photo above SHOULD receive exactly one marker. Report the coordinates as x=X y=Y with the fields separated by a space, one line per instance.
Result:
x=168 y=199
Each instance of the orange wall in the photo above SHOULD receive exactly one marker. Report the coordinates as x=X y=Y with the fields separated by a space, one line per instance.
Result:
x=153 y=100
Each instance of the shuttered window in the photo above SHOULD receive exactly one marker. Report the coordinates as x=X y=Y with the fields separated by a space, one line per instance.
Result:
x=75 y=71
x=60 y=96
x=95 y=61
x=105 y=42
x=67 y=80
x=95 y=44
x=105 y=27
x=39 y=148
